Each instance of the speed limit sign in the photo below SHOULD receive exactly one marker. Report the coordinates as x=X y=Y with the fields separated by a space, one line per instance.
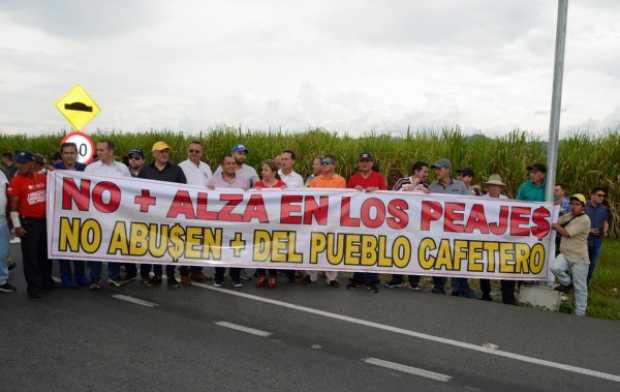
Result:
x=85 y=146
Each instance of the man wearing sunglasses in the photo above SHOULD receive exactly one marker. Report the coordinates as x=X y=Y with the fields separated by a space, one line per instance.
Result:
x=326 y=179
x=135 y=159
x=599 y=217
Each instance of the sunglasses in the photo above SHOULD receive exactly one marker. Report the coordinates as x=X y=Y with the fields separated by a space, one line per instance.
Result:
x=136 y=158
x=326 y=163
x=194 y=151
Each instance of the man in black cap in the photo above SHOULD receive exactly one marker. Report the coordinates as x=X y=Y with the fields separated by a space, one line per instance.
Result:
x=534 y=189
x=466 y=175
x=136 y=161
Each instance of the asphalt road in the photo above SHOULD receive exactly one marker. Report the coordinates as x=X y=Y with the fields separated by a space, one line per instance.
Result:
x=295 y=338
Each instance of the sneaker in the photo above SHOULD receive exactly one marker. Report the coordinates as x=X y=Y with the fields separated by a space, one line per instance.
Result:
x=199 y=277
x=416 y=287
x=260 y=282
x=218 y=284
x=334 y=284
x=94 y=286
x=393 y=285
x=68 y=282
x=352 y=284
x=186 y=281
x=245 y=276
x=237 y=285
x=82 y=281
x=155 y=281
x=34 y=293
x=272 y=283
x=563 y=289
x=7 y=288
x=115 y=283
x=307 y=280
x=15 y=240
x=172 y=282
x=373 y=287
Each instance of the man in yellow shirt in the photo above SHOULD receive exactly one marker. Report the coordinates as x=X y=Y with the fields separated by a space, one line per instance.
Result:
x=571 y=265
x=327 y=179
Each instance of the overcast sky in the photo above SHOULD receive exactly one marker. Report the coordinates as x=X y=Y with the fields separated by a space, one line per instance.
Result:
x=348 y=66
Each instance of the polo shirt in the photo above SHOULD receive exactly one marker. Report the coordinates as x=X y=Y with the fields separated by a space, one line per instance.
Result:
x=575 y=247
x=246 y=171
x=374 y=180
x=334 y=181
x=196 y=174
x=598 y=216
x=30 y=192
x=218 y=181
x=529 y=191
x=78 y=166
x=292 y=180
x=115 y=169
x=455 y=187
x=170 y=173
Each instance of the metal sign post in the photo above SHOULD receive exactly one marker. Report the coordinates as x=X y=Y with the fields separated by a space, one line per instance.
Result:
x=556 y=99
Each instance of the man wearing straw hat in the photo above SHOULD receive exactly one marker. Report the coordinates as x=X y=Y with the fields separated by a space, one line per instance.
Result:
x=495 y=187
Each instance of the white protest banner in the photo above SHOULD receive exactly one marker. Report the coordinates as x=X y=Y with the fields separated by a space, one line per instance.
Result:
x=143 y=221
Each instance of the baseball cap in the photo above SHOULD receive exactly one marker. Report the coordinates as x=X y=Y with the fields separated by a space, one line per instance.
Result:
x=466 y=172
x=366 y=156
x=240 y=148
x=579 y=197
x=442 y=163
x=137 y=152
x=24 y=157
x=541 y=167
x=160 y=146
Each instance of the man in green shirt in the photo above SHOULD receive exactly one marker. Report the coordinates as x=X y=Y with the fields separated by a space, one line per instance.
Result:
x=534 y=189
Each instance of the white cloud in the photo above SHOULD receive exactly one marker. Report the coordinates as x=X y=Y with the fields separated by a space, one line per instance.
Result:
x=348 y=65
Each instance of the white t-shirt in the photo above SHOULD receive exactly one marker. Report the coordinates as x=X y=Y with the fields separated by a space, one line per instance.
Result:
x=115 y=169
x=292 y=180
x=245 y=171
x=3 y=199
x=196 y=175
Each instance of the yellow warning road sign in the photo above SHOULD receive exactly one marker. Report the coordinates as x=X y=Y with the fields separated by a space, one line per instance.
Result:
x=77 y=107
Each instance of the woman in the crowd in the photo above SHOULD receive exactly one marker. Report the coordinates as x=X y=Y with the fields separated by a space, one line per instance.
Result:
x=269 y=179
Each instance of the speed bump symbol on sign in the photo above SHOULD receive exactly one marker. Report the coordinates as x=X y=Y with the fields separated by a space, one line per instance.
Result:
x=77 y=107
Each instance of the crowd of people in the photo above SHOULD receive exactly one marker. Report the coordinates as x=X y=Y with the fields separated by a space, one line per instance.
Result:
x=582 y=225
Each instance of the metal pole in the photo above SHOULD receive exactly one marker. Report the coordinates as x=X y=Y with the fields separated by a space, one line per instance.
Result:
x=556 y=99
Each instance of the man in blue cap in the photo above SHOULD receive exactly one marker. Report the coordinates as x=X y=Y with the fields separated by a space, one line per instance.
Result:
x=240 y=154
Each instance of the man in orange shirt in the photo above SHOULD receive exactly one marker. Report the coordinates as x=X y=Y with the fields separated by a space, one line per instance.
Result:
x=327 y=179
x=27 y=205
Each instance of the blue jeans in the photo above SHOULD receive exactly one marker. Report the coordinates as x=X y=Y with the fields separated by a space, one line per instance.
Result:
x=76 y=271
x=594 y=250
x=114 y=270
x=568 y=273
x=4 y=251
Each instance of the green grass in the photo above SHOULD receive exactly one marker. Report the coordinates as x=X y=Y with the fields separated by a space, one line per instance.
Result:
x=604 y=292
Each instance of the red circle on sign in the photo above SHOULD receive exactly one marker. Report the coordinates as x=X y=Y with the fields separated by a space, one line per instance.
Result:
x=85 y=146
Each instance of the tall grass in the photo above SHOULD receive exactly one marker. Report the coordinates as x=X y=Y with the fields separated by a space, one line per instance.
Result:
x=584 y=161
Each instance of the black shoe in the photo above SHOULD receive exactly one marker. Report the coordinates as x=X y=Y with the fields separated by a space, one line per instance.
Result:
x=438 y=290
x=34 y=294
x=155 y=281
x=373 y=287
x=563 y=289
x=352 y=284
x=307 y=279
x=486 y=297
x=7 y=288
x=334 y=284
x=172 y=282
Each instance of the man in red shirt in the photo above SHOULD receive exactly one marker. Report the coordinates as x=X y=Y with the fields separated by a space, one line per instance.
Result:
x=27 y=205
x=368 y=180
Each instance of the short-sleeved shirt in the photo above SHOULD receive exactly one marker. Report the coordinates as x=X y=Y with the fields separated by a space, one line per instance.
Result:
x=115 y=169
x=292 y=180
x=196 y=174
x=245 y=171
x=528 y=191
x=278 y=184
x=30 y=192
x=334 y=181
x=78 y=166
x=374 y=180
x=575 y=247
x=4 y=183
x=170 y=173
x=218 y=181
x=598 y=216
x=455 y=187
